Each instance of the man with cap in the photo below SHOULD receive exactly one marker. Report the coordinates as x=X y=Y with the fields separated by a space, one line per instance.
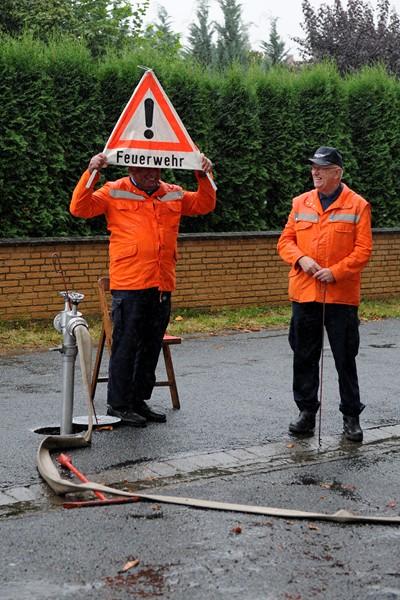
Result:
x=327 y=241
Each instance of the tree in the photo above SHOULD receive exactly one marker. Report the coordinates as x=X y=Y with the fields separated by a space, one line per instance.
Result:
x=42 y=18
x=233 y=41
x=103 y=24
x=161 y=36
x=201 y=46
x=99 y=23
x=354 y=37
x=274 y=50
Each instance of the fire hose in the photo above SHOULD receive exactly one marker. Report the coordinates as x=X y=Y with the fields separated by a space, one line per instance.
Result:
x=61 y=486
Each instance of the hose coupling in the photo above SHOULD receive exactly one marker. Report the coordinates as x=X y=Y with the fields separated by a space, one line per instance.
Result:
x=73 y=323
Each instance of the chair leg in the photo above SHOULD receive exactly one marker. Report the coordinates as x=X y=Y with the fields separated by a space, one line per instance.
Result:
x=97 y=363
x=171 y=376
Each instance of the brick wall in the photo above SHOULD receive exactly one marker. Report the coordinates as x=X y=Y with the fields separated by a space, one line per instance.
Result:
x=214 y=270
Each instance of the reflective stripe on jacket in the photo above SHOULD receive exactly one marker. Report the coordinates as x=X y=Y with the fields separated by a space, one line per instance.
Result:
x=144 y=229
x=339 y=238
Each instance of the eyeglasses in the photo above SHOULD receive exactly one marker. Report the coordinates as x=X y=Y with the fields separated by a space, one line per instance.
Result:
x=319 y=168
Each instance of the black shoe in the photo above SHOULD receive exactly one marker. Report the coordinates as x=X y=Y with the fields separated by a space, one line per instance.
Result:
x=351 y=429
x=145 y=411
x=304 y=425
x=127 y=416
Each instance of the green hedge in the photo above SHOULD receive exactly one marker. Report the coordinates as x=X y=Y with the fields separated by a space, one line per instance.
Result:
x=373 y=100
x=58 y=107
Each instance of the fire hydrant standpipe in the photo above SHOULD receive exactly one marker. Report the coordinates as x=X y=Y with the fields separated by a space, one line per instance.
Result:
x=66 y=322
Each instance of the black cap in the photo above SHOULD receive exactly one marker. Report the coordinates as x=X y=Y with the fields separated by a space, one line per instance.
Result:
x=326 y=156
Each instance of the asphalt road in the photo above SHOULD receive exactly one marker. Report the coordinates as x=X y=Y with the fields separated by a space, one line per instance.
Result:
x=228 y=442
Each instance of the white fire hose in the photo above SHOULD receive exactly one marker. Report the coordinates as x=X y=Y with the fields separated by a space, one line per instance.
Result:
x=60 y=486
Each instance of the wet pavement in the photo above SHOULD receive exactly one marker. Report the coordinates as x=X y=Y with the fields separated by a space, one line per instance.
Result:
x=228 y=442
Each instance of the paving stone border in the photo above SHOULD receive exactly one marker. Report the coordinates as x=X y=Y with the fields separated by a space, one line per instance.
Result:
x=187 y=466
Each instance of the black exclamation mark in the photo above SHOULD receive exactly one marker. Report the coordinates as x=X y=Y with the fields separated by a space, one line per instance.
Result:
x=148 y=111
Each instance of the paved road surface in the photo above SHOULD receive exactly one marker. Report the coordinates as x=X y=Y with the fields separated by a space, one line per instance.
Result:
x=228 y=442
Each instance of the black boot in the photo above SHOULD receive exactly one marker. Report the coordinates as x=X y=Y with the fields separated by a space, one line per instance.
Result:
x=351 y=429
x=304 y=424
x=127 y=416
x=148 y=413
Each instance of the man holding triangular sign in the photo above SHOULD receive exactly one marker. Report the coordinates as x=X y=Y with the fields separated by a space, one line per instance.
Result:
x=143 y=215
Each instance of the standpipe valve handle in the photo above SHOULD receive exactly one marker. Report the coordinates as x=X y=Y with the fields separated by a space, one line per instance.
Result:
x=58 y=269
x=65 y=461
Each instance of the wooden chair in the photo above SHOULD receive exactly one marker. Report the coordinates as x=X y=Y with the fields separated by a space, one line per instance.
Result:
x=106 y=337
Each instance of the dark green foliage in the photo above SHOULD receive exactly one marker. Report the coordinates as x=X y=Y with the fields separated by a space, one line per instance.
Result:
x=375 y=125
x=117 y=81
x=58 y=107
x=274 y=49
x=232 y=37
x=324 y=115
x=235 y=145
x=180 y=84
x=79 y=123
x=282 y=142
x=100 y=24
x=201 y=47
x=50 y=116
x=41 y=18
x=161 y=37
x=323 y=109
x=30 y=141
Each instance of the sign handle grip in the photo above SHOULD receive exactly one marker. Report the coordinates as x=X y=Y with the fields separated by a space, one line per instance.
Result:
x=211 y=180
x=90 y=180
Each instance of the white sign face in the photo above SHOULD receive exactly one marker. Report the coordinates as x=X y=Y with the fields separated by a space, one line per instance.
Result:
x=149 y=123
x=149 y=132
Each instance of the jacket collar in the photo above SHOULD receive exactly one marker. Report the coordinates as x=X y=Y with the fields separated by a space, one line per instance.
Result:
x=344 y=200
x=160 y=191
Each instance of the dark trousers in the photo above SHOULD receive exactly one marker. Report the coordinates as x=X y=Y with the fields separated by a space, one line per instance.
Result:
x=305 y=338
x=140 y=318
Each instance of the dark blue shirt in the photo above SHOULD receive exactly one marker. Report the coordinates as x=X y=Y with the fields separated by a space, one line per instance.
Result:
x=328 y=199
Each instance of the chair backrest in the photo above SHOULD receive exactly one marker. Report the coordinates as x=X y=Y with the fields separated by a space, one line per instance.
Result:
x=104 y=288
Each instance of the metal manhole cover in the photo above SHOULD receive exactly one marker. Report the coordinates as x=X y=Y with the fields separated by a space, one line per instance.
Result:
x=101 y=420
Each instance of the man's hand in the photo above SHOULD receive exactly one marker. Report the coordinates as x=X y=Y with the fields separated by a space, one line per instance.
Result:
x=97 y=162
x=206 y=166
x=324 y=275
x=309 y=265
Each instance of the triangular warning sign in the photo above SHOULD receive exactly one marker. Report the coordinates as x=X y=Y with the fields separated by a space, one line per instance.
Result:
x=149 y=132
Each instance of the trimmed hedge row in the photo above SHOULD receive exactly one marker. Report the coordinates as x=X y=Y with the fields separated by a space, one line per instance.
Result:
x=58 y=107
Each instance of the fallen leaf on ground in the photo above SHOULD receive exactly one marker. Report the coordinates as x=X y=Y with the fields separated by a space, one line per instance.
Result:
x=178 y=318
x=313 y=527
x=268 y=523
x=348 y=486
x=326 y=485
x=237 y=530
x=129 y=565
x=105 y=428
x=290 y=445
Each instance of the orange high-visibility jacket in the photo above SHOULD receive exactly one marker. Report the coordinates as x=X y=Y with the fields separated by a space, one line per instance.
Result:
x=144 y=229
x=339 y=238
